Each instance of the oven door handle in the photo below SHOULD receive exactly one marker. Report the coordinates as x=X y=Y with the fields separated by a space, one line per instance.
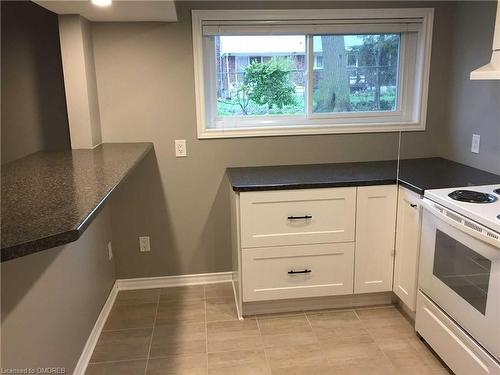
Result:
x=441 y=215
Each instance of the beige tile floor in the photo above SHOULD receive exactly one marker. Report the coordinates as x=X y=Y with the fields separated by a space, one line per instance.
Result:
x=194 y=330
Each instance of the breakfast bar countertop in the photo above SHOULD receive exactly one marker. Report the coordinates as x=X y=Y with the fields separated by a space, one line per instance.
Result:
x=50 y=197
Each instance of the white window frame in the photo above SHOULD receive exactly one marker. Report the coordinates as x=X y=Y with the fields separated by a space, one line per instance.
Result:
x=412 y=101
x=316 y=65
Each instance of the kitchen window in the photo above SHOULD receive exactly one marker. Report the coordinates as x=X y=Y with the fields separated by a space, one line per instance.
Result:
x=261 y=73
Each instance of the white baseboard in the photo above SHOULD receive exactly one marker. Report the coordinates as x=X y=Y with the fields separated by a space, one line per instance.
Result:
x=141 y=283
x=83 y=362
x=179 y=280
x=238 y=311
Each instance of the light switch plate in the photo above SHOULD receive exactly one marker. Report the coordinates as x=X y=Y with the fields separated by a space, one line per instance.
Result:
x=180 y=148
x=144 y=244
x=476 y=139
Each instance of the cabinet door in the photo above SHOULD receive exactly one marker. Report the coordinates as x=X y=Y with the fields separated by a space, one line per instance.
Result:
x=375 y=232
x=407 y=247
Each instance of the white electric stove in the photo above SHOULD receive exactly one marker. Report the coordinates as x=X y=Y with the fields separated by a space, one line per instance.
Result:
x=478 y=203
x=459 y=274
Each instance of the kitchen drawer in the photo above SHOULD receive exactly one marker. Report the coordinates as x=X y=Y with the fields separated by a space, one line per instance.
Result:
x=293 y=217
x=462 y=354
x=266 y=271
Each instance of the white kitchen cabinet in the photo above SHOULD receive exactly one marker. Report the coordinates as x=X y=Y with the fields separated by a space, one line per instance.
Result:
x=407 y=246
x=295 y=217
x=313 y=248
x=297 y=271
x=375 y=234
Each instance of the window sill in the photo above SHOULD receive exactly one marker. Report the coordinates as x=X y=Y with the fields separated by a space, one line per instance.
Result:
x=308 y=130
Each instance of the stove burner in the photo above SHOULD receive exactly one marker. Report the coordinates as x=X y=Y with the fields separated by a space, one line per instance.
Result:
x=472 y=196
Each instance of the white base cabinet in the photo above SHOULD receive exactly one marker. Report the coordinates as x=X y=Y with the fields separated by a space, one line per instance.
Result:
x=294 y=244
x=408 y=228
x=375 y=232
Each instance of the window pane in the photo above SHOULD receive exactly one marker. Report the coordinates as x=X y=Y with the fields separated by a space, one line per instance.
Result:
x=359 y=73
x=260 y=75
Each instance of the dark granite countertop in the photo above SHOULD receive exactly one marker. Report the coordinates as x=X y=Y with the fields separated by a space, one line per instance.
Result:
x=416 y=174
x=438 y=173
x=50 y=198
x=306 y=176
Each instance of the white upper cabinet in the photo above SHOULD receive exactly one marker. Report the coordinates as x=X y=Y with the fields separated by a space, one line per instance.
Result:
x=297 y=217
x=375 y=232
x=407 y=247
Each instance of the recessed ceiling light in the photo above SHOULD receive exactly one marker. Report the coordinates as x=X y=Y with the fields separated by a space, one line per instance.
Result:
x=101 y=3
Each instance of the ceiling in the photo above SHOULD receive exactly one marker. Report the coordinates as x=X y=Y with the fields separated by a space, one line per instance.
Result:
x=118 y=11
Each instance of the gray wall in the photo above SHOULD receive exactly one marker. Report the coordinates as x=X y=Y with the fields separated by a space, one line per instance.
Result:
x=50 y=300
x=146 y=93
x=427 y=143
x=466 y=107
x=474 y=106
x=33 y=103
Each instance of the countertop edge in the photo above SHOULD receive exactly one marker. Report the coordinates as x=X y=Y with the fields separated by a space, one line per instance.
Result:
x=84 y=224
x=38 y=245
x=319 y=185
x=411 y=187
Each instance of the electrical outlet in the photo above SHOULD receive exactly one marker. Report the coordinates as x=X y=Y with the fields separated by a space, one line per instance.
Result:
x=110 y=251
x=180 y=148
x=476 y=139
x=144 y=244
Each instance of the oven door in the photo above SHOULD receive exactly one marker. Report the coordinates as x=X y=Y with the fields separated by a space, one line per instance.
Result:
x=460 y=272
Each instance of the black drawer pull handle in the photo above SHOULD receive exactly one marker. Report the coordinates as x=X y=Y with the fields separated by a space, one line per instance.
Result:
x=413 y=205
x=305 y=217
x=295 y=272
